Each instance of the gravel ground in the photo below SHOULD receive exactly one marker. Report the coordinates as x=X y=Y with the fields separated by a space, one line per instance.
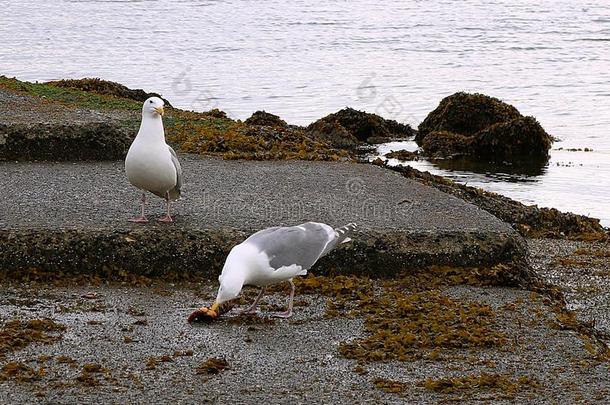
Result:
x=582 y=271
x=287 y=361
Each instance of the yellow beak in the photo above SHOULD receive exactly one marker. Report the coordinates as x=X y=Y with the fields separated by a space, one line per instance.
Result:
x=159 y=110
x=214 y=307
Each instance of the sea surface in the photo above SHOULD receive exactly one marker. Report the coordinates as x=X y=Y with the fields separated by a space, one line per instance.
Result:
x=305 y=59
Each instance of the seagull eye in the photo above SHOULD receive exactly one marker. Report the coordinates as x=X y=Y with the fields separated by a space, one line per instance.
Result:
x=150 y=101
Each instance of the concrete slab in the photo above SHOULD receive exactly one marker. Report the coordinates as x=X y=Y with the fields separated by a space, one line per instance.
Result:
x=74 y=215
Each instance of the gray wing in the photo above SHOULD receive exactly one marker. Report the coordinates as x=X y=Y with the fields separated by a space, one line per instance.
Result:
x=174 y=193
x=301 y=245
x=262 y=233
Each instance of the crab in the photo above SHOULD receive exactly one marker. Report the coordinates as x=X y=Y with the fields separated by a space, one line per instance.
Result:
x=204 y=314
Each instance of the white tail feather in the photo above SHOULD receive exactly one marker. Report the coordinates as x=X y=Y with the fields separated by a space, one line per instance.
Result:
x=344 y=232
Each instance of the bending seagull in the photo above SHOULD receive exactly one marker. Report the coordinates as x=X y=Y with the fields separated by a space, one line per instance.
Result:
x=271 y=256
x=151 y=164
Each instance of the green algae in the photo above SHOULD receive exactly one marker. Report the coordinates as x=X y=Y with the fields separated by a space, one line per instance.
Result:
x=262 y=137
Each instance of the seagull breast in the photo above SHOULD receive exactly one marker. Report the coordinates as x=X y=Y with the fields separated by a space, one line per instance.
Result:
x=149 y=167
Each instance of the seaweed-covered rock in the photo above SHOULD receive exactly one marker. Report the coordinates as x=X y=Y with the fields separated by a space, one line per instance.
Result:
x=46 y=122
x=99 y=86
x=529 y=220
x=216 y=113
x=265 y=119
x=521 y=137
x=466 y=114
x=333 y=133
x=85 y=141
x=360 y=125
x=203 y=133
x=445 y=144
x=403 y=155
x=482 y=127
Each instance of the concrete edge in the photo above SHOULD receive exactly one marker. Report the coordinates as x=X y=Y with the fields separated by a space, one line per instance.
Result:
x=62 y=142
x=152 y=252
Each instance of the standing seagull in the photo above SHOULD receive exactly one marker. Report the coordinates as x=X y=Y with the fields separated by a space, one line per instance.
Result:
x=271 y=256
x=151 y=164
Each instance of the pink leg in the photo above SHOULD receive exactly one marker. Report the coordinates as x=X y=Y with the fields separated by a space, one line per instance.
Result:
x=252 y=308
x=142 y=218
x=167 y=217
x=288 y=312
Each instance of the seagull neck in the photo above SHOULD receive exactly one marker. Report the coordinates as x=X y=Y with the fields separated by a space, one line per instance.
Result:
x=152 y=128
x=236 y=276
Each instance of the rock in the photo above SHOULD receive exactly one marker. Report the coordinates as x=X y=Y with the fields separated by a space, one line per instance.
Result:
x=265 y=119
x=403 y=155
x=378 y=162
x=466 y=114
x=445 y=145
x=521 y=137
x=375 y=140
x=216 y=113
x=349 y=124
x=333 y=133
x=481 y=127
x=105 y=87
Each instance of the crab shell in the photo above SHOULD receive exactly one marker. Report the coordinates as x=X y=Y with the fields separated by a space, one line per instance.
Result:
x=203 y=314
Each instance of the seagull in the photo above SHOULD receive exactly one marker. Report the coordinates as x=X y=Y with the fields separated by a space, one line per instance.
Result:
x=151 y=164
x=271 y=256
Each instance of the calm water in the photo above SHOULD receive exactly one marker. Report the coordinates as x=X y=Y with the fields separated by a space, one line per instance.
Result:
x=304 y=59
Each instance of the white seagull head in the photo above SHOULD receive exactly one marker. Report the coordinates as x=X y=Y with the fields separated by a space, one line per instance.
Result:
x=153 y=107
